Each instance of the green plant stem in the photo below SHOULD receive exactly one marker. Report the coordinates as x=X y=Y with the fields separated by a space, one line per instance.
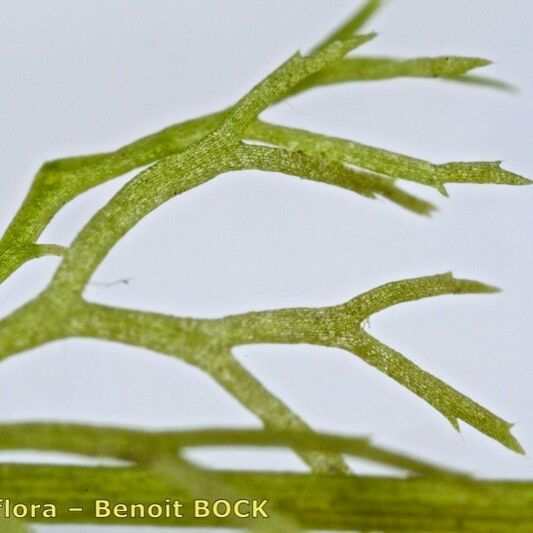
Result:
x=202 y=343
x=206 y=343
x=316 y=502
x=143 y=447
x=186 y=339
x=381 y=68
x=250 y=392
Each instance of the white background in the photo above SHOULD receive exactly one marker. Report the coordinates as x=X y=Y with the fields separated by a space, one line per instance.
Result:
x=88 y=76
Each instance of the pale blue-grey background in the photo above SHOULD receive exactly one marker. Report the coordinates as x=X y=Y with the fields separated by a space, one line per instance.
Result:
x=86 y=76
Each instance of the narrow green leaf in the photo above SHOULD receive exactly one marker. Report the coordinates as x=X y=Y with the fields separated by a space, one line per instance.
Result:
x=451 y=403
x=332 y=173
x=408 y=290
x=383 y=161
x=381 y=68
x=479 y=172
x=143 y=447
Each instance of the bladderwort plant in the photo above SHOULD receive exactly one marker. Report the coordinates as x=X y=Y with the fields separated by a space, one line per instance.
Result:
x=152 y=464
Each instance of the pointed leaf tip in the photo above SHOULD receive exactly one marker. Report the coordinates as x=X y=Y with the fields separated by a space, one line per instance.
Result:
x=442 y=189
x=453 y=66
x=454 y=422
x=357 y=40
x=512 y=443
x=352 y=24
x=469 y=286
x=489 y=172
x=480 y=62
x=490 y=289
x=511 y=177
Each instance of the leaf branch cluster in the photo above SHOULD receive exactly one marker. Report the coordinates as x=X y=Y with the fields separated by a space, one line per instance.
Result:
x=187 y=155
